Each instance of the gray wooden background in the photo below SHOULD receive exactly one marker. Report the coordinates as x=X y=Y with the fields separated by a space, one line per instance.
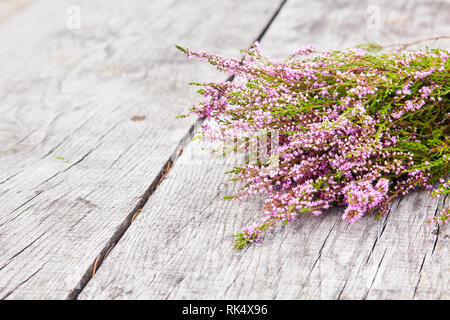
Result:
x=98 y=202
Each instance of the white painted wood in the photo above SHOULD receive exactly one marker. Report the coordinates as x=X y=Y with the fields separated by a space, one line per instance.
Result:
x=330 y=24
x=180 y=245
x=74 y=166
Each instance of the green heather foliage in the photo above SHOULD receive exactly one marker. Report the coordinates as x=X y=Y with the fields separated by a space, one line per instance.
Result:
x=355 y=129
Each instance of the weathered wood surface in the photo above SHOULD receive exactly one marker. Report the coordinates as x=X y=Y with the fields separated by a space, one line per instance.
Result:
x=180 y=245
x=342 y=24
x=74 y=166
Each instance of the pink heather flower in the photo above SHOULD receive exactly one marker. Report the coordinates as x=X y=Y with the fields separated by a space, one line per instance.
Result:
x=441 y=219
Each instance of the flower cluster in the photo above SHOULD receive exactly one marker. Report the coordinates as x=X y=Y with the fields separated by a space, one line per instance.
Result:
x=355 y=129
x=440 y=219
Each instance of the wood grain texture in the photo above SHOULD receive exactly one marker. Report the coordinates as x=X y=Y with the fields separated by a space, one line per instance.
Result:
x=180 y=245
x=10 y=7
x=329 y=24
x=74 y=166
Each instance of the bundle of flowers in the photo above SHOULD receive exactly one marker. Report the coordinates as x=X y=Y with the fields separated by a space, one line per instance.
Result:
x=353 y=128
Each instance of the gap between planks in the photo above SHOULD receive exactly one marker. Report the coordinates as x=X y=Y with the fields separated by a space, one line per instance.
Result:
x=10 y=8
x=122 y=229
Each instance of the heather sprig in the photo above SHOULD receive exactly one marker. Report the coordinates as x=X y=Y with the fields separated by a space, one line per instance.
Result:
x=355 y=129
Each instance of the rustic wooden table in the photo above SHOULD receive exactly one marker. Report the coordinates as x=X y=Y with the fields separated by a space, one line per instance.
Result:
x=96 y=203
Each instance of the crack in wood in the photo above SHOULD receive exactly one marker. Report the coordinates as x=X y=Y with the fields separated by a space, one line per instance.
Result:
x=320 y=251
x=26 y=247
x=16 y=216
x=383 y=227
x=375 y=276
x=130 y=218
x=23 y=282
x=136 y=254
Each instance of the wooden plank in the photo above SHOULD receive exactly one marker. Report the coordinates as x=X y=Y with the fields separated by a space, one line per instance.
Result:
x=76 y=162
x=345 y=23
x=180 y=246
x=435 y=267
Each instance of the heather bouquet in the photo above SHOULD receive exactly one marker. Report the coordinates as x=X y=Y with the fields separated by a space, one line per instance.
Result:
x=352 y=128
